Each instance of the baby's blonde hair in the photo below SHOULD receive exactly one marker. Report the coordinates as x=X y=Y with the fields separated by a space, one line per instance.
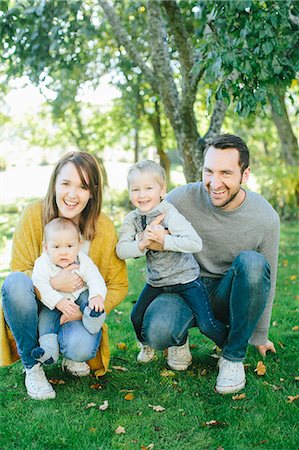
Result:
x=61 y=223
x=146 y=165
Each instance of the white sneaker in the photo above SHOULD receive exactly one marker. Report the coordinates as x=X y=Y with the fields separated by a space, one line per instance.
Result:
x=37 y=385
x=179 y=358
x=76 y=368
x=231 y=377
x=146 y=353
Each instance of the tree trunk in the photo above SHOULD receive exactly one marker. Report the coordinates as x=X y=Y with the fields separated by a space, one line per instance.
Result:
x=289 y=144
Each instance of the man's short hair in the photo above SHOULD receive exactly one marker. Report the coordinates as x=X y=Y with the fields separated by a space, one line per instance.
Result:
x=147 y=165
x=224 y=141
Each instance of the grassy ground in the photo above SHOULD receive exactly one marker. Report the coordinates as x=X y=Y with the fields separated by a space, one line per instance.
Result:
x=194 y=416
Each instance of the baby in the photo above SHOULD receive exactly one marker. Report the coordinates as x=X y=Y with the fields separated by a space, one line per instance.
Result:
x=172 y=270
x=61 y=248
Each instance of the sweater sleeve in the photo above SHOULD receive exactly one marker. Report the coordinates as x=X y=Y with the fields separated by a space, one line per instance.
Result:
x=27 y=239
x=93 y=278
x=127 y=246
x=269 y=248
x=41 y=280
x=182 y=238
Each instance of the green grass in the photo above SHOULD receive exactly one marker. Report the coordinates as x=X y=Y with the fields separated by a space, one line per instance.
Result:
x=263 y=419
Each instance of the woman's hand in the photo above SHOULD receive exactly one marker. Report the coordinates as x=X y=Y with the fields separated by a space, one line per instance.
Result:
x=67 y=281
x=70 y=311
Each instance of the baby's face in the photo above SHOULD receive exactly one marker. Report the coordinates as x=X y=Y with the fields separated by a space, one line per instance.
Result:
x=62 y=247
x=145 y=191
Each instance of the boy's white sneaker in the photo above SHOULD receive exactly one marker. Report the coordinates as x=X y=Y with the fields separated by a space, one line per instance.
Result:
x=76 y=368
x=179 y=358
x=37 y=385
x=231 y=377
x=146 y=353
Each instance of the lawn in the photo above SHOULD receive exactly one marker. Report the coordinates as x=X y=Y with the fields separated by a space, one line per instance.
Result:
x=191 y=416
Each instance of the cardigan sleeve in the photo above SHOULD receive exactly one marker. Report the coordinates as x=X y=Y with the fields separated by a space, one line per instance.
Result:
x=27 y=239
x=113 y=270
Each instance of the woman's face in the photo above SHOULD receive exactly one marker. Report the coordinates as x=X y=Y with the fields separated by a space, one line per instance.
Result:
x=71 y=196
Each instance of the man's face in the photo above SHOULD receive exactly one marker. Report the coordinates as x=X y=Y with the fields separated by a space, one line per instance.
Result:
x=222 y=178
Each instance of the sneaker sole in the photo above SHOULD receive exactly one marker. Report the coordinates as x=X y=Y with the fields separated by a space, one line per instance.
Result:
x=43 y=397
x=179 y=368
x=223 y=390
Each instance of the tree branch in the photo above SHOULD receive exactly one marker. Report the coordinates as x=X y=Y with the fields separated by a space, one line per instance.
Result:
x=216 y=120
x=124 y=40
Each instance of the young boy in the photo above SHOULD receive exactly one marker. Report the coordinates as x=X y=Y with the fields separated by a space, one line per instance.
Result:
x=61 y=248
x=173 y=270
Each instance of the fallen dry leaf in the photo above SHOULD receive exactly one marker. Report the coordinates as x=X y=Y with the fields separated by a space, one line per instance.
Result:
x=295 y=328
x=120 y=430
x=90 y=405
x=54 y=381
x=118 y=312
x=147 y=447
x=281 y=345
x=238 y=397
x=260 y=368
x=285 y=263
x=167 y=373
x=297 y=378
x=203 y=373
x=96 y=386
x=129 y=396
x=292 y=398
x=215 y=423
x=122 y=346
x=293 y=277
x=274 y=324
x=157 y=408
x=92 y=430
x=122 y=369
x=104 y=405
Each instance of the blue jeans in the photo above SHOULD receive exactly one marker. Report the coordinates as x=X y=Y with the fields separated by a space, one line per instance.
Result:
x=237 y=299
x=196 y=297
x=21 y=310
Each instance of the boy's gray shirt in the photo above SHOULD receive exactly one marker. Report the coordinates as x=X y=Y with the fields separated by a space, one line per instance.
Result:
x=174 y=265
x=254 y=225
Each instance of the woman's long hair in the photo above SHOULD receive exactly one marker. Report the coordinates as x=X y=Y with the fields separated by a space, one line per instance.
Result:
x=87 y=167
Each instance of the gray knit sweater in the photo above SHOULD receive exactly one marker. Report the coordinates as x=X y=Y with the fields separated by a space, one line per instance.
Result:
x=254 y=225
x=174 y=265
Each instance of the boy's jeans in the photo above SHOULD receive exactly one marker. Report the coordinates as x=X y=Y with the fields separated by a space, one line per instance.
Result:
x=196 y=296
x=21 y=309
x=238 y=299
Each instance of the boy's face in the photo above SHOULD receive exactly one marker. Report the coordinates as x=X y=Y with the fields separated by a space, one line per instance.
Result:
x=145 y=191
x=62 y=247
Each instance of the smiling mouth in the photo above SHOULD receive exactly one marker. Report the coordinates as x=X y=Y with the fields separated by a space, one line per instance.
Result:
x=70 y=204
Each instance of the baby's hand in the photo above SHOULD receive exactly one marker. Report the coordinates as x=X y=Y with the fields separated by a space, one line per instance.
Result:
x=96 y=303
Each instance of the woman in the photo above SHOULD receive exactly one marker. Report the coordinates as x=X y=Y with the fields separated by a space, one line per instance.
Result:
x=75 y=192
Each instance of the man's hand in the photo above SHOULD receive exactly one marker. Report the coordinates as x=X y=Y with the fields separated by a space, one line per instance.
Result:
x=67 y=281
x=96 y=303
x=70 y=311
x=263 y=349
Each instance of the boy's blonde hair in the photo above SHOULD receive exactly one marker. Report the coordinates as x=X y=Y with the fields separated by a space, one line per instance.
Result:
x=61 y=223
x=147 y=165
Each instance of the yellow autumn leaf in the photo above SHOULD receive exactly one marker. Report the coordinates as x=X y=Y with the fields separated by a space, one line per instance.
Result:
x=122 y=346
x=167 y=373
x=292 y=398
x=92 y=430
x=295 y=328
x=285 y=263
x=120 y=430
x=238 y=397
x=260 y=368
x=129 y=396
x=297 y=378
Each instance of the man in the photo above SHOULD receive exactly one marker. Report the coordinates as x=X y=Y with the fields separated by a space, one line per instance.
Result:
x=238 y=263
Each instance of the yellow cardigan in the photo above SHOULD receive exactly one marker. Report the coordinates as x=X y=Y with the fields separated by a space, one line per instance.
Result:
x=27 y=246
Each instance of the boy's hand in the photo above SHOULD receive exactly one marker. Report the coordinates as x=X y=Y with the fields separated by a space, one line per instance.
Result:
x=96 y=303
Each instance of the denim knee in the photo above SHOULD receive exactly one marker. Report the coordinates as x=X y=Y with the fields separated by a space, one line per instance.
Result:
x=15 y=288
x=254 y=265
x=80 y=346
